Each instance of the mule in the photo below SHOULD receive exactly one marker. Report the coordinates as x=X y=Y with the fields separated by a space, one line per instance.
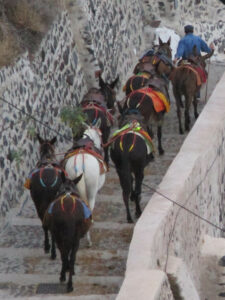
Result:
x=86 y=158
x=161 y=60
x=152 y=102
x=99 y=104
x=44 y=182
x=152 y=64
x=131 y=150
x=69 y=219
x=187 y=81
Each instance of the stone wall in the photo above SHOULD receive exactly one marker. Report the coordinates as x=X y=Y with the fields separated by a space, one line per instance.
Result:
x=207 y=16
x=59 y=75
x=168 y=237
x=38 y=89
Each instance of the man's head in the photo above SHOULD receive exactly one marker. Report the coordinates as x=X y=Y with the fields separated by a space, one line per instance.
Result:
x=188 y=29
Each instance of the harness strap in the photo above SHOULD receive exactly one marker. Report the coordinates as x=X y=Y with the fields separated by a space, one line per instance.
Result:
x=56 y=177
x=142 y=99
x=62 y=202
x=133 y=143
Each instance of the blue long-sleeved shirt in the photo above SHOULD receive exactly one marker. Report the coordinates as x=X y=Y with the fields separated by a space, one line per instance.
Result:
x=186 y=44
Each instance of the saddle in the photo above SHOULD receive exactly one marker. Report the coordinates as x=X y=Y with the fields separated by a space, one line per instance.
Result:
x=84 y=143
x=191 y=63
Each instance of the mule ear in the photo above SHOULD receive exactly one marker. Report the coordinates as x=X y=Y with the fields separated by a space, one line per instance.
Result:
x=101 y=82
x=113 y=84
x=53 y=140
x=98 y=123
x=86 y=126
x=169 y=41
x=41 y=141
x=76 y=180
x=160 y=42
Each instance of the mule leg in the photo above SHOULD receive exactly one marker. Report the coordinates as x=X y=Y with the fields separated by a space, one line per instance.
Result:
x=186 y=113
x=46 y=241
x=126 y=202
x=72 y=263
x=139 y=176
x=89 y=239
x=53 y=249
x=178 y=105
x=125 y=182
x=195 y=106
x=159 y=135
x=64 y=259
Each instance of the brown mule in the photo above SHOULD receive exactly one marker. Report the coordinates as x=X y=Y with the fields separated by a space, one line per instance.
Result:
x=187 y=81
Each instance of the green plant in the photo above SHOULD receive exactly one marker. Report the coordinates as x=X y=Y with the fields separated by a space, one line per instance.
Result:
x=74 y=117
x=31 y=132
x=17 y=156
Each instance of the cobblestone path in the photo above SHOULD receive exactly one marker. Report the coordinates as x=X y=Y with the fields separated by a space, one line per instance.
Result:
x=26 y=271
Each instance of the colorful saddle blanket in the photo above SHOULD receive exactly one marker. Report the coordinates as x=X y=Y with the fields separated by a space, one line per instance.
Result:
x=135 y=128
x=160 y=102
x=86 y=209
x=41 y=169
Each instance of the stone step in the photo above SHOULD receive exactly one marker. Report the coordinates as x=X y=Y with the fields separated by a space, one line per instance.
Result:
x=105 y=235
x=64 y=297
x=32 y=284
x=88 y=262
x=107 y=207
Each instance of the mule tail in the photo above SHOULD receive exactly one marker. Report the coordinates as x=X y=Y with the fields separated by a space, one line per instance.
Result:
x=83 y=189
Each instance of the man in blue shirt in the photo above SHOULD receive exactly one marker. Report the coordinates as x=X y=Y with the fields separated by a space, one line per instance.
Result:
x=186 y=44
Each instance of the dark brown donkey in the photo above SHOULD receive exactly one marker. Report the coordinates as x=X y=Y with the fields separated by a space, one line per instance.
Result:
x=161 y=59
x=99 y=104
x=187 y=80
x=152 y=102
x=131 y=151
x=44 y=182
x=149 y=65
x=69 y=219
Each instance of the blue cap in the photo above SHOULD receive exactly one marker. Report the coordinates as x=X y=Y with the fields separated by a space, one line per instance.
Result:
x=188 y=28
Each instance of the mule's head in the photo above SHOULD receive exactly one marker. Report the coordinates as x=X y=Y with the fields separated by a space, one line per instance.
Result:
x=107 y=90
x=164 y=48
x=47 y=149
x=197 y=59
x=94 y=133
x=129 y=115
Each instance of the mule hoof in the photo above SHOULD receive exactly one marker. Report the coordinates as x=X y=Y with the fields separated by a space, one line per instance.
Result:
x=69 y=289
x=53 y=256
x=130 y=221
x=89 y=244
x=138 y=214
x=62 y=278
x=161 y=152
x=47 y=250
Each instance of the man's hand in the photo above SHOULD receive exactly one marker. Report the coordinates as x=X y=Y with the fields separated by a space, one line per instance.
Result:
x=211 y=46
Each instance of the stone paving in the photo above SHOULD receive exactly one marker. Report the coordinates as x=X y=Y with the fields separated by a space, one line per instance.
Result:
x=27 y=272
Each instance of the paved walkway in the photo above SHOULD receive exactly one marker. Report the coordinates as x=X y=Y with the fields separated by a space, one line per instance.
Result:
x=26 y=271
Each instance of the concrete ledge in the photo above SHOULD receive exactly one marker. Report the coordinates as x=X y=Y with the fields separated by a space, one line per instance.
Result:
x=144 y=285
